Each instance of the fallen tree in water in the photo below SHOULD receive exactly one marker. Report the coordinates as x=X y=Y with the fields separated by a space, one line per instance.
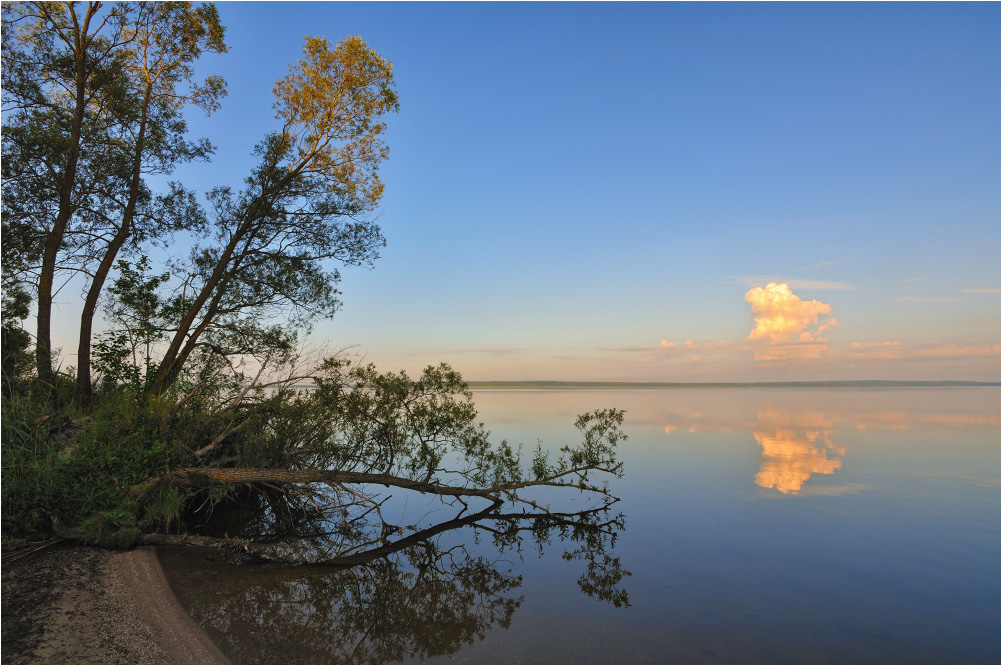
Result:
x=332 y=451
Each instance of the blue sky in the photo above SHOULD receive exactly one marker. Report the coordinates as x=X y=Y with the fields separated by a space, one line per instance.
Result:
x=576 y=190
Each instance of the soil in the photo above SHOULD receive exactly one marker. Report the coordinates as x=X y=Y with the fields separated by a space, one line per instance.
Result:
x=65 y=603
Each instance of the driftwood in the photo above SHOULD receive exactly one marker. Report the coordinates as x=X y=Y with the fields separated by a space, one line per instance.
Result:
x=153 y=539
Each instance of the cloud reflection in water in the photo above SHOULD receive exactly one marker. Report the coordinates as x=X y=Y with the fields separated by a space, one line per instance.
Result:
x=799 y=445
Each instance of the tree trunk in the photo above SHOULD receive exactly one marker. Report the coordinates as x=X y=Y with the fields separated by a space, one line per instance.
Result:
x=54 y=239
x=43 y=330
x=84 y=387
x=207 y=476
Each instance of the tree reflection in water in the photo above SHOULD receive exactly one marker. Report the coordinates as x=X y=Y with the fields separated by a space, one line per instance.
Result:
x=386 y=600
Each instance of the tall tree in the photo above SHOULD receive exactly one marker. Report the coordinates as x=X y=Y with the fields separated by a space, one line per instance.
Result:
x=59 y=84
x=274 y=247
x=93 y=101
x=169 y=37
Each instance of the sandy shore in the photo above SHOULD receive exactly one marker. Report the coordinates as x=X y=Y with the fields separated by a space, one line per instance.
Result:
x=72 y=604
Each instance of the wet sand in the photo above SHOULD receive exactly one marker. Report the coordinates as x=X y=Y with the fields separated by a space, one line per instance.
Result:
x=73 y=604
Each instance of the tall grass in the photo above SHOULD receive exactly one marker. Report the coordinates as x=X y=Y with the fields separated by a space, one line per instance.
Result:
x=84 y=470
x=31 y=482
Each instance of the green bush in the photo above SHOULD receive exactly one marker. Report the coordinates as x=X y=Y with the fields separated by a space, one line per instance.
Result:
x=115 y=528
x=81 y=469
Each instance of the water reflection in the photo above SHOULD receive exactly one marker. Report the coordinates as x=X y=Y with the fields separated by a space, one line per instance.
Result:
x=895 y=559
x=790 y=457
x=418 y=597
x=799 y=444
x=421 y=603
x=795 y=445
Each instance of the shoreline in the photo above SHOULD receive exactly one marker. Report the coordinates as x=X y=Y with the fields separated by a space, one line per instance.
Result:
x=76 y=604
x=848 y=384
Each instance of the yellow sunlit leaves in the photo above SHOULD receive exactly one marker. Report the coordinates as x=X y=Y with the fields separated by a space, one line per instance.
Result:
x=331 y=102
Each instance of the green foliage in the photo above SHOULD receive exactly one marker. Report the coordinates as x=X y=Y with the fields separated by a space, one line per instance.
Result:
x=75 y=468
x=332 y=102
x=161 y=507
x=113 y=528
x=31 y=473
x=15 y=344
x=114 y=361
x=601 y=434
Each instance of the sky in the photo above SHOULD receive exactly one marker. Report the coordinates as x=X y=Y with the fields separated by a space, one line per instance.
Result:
x=661 y=191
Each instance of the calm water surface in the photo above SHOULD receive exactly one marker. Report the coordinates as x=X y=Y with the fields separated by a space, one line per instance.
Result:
x=761 y=525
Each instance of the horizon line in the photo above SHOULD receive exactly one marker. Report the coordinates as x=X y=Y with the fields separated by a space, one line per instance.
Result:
x=850 y=383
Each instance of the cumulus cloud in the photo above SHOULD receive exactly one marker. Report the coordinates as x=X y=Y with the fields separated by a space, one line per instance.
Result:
x=780 y=315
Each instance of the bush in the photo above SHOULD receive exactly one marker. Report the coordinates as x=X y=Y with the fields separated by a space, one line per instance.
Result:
x=82 y=469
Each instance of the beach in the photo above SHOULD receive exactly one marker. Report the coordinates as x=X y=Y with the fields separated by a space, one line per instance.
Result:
x=73 y=604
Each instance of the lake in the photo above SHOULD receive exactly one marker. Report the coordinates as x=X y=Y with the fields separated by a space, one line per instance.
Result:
x=760 y=525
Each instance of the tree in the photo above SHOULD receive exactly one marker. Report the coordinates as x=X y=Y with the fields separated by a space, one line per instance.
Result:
x=304 y=208
x=93 y=103
x=180 y=427
x=59 y=80
x=168 y=38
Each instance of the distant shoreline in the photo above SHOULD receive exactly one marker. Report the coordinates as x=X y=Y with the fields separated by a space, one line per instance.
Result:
x=869 y=383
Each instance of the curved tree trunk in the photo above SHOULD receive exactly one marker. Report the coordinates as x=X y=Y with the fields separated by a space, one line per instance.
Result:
x=207 y=476
x=84 y=387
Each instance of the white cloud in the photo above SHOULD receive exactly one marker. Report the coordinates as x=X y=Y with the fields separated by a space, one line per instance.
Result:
x=780 y=314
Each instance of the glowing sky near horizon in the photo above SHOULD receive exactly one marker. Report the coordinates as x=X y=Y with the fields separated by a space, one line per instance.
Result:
x=661 y=192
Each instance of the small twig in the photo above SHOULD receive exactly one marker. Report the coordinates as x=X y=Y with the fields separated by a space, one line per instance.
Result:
x=25 y=552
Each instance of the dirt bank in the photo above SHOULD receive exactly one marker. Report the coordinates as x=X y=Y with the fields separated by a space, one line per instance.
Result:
x=72 y=604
